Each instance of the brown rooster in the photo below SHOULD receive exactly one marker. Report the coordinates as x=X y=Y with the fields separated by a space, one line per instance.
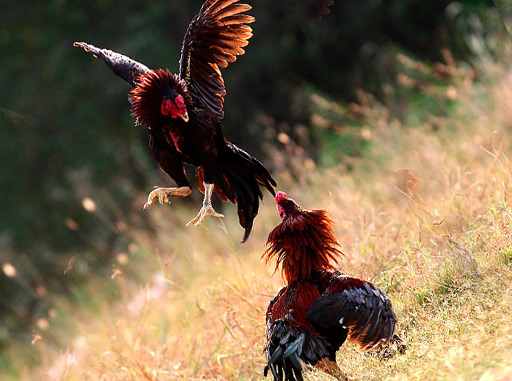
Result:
x=319 y=308
x=183 y=112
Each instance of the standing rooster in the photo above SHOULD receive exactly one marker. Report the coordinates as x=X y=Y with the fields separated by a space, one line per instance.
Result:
x=319 y=308
x=183 y=112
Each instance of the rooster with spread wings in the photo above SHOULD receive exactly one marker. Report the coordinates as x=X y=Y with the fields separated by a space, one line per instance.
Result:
x=183 y=112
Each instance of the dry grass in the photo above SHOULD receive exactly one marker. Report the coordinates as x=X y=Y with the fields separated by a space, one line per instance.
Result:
x=425 y=216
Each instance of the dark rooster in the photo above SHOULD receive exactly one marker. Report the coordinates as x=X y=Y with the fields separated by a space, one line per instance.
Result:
x=319 y=308
x=183 y=112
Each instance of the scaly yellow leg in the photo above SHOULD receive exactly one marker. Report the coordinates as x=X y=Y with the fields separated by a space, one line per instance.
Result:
x=331 y=368
x=207 y=208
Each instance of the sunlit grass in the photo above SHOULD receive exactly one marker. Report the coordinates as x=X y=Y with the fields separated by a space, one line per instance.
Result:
x=425 y=215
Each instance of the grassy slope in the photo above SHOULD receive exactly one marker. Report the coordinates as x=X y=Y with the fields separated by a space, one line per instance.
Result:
x=425 y=216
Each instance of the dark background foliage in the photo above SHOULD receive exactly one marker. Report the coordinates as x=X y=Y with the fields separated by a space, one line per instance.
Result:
x=66 y=131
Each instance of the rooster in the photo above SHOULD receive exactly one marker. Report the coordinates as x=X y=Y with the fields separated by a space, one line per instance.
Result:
x=183 y=113
x=319 y=308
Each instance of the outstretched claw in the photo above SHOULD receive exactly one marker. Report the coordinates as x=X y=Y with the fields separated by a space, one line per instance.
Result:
x=163 y=195
x=207 y=208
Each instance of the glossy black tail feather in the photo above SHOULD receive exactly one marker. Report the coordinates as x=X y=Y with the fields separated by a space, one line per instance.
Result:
x=287 y=346
x=239 y=177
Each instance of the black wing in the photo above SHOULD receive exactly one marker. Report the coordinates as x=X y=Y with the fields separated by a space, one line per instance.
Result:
x=214 y=38
x=354 y=308
x=121 y=65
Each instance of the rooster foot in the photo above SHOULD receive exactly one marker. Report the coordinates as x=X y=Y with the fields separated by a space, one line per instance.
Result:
x=163 y=195
x=331 y=368
x=206 y=210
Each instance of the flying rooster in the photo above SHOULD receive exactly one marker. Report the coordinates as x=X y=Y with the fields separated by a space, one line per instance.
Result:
x=319 y=308
x=183 y=113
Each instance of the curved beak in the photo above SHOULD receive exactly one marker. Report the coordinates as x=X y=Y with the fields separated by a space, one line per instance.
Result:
x=185 y=117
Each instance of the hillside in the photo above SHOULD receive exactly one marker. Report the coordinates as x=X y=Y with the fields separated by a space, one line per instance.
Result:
x=425 y=214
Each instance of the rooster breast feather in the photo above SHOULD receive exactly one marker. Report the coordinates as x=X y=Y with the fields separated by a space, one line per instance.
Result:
x=357 y=308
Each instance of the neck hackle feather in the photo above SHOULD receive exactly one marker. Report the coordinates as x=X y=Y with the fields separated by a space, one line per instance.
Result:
x=147 y=96
x=303 y=243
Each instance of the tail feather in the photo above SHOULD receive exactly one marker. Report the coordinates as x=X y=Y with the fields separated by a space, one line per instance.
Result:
x=238 y=177
x=287 y=345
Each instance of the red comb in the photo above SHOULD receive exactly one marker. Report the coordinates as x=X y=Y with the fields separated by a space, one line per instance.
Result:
x=280 y=196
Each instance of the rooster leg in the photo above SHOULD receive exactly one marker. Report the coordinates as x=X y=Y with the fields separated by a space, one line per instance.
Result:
x=163 y=195
x=331 y=368
x=207 y=209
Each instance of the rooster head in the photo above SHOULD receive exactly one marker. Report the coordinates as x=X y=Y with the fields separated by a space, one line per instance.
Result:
x=158 y=94
x=303 y=242
x=287 y=207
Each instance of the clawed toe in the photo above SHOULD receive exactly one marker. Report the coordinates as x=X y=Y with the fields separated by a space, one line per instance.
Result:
x=160 y=194
x=163 y=195
x=206 y=210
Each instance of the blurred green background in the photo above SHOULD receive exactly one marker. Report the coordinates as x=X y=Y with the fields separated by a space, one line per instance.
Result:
x=66 y=133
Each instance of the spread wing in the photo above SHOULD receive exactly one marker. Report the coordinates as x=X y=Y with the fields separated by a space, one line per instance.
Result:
x=215 y=37
x=356 y=307
x=121 y=65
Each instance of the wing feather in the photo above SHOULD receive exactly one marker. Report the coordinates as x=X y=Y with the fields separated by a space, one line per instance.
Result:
x=121 y=65
x=215 y=38
x=214 y=6
x=238 y=19
x=232 y=9
x=356 y=306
